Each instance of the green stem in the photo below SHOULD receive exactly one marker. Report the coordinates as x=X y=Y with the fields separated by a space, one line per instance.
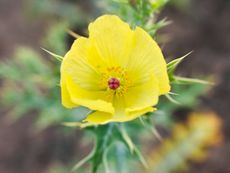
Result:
x=104 y=134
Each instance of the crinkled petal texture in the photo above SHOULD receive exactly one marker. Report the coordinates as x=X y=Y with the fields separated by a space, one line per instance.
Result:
x=114 y=50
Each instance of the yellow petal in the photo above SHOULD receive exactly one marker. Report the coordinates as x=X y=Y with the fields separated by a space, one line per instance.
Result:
x=81 y=80
x=95 y=100
x=98 y=118
x=137 y=113
x=81 y=63
x=103 y=118
x=147 y=59
x=120 y=115
x=117 y=116
x=142 y=96
x=113 y=39
x=66 y=100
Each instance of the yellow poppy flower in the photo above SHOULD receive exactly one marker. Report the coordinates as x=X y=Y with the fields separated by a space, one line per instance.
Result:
x=117 y=72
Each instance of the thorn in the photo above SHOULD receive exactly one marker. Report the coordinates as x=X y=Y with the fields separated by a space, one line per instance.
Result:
x=73 y=34
x=172 y=99
x=58 y=57
x=192 y=80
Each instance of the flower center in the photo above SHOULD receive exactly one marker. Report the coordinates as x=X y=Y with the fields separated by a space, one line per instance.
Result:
x=113 y=83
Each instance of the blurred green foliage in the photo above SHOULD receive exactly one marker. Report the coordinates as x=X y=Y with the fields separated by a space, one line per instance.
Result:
x=56 y=38
x=70 y=11
x=31 y=84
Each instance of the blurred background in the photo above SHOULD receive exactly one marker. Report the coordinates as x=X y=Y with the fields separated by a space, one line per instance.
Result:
x=196 y=134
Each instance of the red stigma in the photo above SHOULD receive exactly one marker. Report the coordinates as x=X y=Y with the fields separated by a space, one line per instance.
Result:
x=113 y=83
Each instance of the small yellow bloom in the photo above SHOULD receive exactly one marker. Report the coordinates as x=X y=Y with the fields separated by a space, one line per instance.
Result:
x=117 y=72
